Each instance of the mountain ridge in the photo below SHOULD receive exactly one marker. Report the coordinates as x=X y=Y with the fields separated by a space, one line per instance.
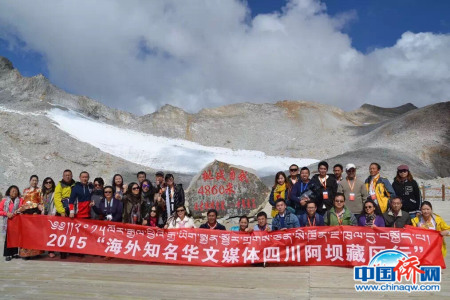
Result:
x=285 y=128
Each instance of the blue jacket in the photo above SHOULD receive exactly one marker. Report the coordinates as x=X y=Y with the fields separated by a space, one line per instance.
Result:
x=115 y=210
x=290 y=221
x=304 y=220
x=297 y=191
x=80 y=197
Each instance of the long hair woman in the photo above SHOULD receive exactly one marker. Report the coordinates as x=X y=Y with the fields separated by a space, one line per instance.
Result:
x=280 y=190
x=371 y=215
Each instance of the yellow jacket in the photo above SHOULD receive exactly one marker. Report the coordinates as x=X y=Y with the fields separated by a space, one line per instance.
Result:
x=440 y=226
x=383 y=190
x=62 y=191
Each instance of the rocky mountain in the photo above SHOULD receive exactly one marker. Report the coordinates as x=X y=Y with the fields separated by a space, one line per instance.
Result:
x=31 y=142
x=371 y=114
x=31 y=94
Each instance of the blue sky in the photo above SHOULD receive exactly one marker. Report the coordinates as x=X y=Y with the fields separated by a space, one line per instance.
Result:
x=379 y=23
x=373 y=28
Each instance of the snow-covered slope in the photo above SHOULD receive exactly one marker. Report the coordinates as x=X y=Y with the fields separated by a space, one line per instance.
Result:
x=163 y=153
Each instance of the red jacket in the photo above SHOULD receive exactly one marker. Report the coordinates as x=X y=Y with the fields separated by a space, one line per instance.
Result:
x=3 y=211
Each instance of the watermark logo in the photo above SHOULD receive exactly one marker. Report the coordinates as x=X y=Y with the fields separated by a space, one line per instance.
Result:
x=393 y=270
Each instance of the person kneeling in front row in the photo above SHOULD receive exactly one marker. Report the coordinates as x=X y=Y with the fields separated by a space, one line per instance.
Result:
x=339 y=214
x=212 y=221
x=311 y=218
x=284 y=219
x=262 y=225
x=395 y=216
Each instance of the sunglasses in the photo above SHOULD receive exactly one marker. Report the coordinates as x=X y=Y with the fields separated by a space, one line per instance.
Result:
x=403 y=171
x=135 y=188
x=48 y=182
x=153 y=210
x=178 y=210
x=293 y=170
x=145 y=186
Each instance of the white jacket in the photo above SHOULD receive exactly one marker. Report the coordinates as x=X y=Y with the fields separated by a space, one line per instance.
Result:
x=188 y=223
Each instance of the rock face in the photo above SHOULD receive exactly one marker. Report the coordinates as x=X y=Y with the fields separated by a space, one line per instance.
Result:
x=231 y=190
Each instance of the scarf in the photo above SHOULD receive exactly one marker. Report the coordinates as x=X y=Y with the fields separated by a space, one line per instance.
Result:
x=170 y=200
x=108 y=208
x=49 y=205
x=370 y=219
x=135 y=211
x=279 y=192
x=428 y=225
x=153 y=222
x=135 y=214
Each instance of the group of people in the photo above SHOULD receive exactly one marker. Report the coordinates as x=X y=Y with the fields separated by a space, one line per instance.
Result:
x=297 y=200
x=332 y=199
x=158 y=204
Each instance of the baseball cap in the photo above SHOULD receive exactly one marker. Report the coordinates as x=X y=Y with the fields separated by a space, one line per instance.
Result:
x=350 y=166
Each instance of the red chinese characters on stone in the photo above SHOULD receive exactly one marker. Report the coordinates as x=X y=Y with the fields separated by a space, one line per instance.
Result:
x=207 y=175
x=243 y=176
x=220 y=175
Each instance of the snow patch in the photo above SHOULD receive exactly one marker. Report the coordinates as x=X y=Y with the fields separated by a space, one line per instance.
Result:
x=164 y=153
x=13 y=111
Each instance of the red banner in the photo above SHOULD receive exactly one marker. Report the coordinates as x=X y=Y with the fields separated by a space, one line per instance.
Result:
x=326 y=246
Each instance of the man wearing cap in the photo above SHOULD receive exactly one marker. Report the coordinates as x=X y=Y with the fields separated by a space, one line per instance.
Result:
x=354 y=190
x=379 y=188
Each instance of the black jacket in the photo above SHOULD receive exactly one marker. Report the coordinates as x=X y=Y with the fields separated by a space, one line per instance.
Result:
x=409 y=192
x=103 y=210
x=218 y=226
x=147 y=203
x=318 y=189
x=178 y=197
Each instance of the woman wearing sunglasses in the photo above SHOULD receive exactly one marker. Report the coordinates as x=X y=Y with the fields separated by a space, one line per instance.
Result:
x=132 y=202
x=371 y=215
x=97 y=195
x=147 y=195
x=48 y=191
x=153 y=219
x=181 y=219
x=407 y=189
x=108 y=208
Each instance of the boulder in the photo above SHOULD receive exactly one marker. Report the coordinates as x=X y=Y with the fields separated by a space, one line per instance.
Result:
x=231 y=190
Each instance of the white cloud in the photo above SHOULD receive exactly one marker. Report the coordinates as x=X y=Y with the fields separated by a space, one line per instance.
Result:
x=140 y=55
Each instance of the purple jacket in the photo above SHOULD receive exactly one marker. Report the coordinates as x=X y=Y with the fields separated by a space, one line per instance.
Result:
x=379 y=221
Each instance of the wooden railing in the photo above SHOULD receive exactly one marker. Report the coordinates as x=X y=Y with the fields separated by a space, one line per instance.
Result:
x=429 y=192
